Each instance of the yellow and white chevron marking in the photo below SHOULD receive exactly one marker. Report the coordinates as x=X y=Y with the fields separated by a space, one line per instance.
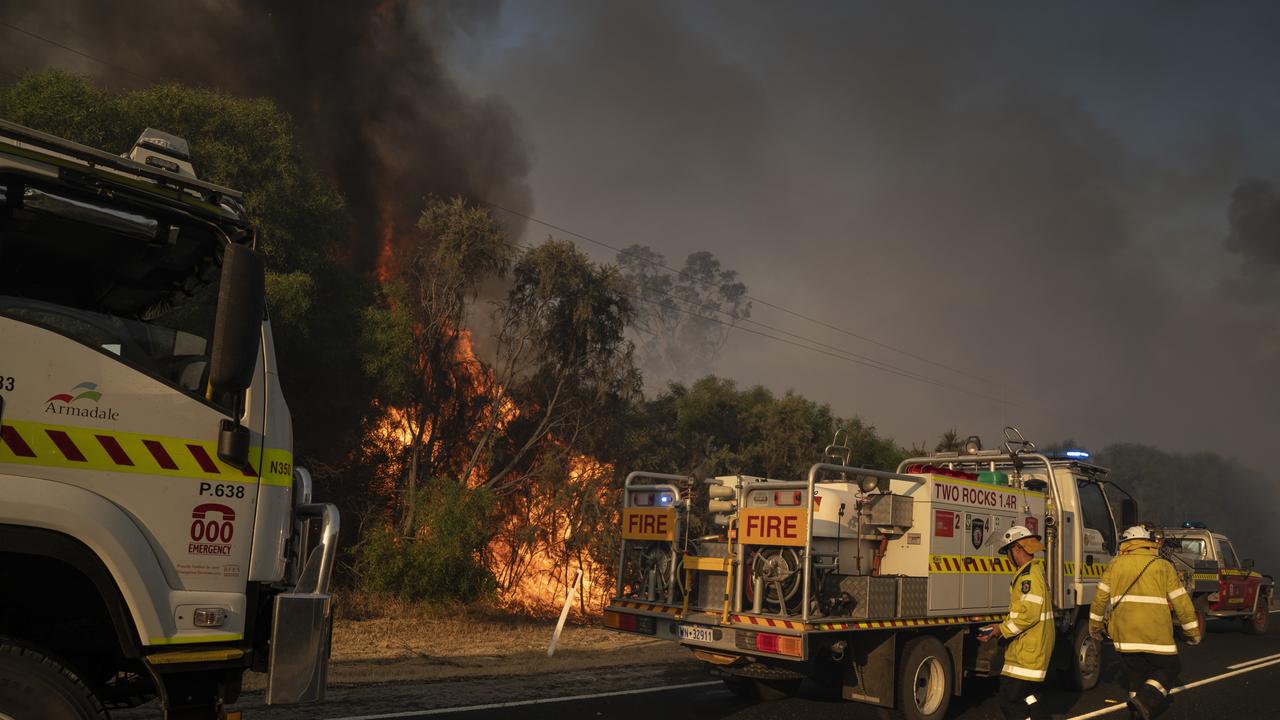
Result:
x=1093 y=570
x=647 y=607
x=940 y=564
x=915 y=622
x=960 y=565
x=1239 y=573
x=766 y=622
x=761 y=621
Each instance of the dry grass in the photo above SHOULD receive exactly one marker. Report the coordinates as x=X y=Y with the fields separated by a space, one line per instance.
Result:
x=381 y=639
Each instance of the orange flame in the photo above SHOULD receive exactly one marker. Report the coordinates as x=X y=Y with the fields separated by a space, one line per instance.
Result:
x=538 y=579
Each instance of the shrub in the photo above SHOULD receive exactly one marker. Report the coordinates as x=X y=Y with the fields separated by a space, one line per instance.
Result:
x=443 y=560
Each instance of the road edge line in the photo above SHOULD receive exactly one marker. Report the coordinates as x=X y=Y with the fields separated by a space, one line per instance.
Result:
x=1255 y=661
x=521 y=703
x=1189 y=686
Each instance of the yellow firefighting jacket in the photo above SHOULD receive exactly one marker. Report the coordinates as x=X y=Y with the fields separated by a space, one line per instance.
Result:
x=1139 y=586
x=1029 y=625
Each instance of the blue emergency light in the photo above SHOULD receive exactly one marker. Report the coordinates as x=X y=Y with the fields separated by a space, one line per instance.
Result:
x=1077 y=454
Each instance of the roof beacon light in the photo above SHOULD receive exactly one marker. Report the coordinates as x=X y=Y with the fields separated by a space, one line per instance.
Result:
x=1077 y=454
x=164 y=151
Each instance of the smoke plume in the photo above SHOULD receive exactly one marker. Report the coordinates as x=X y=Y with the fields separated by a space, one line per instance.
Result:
x=1254 y=216
x=365 y=82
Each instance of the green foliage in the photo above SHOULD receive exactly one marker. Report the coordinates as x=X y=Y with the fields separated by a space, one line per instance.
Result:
x=247 y=144
x=301 y=221
x=463 y=246
x=722 y=429
x=443 y=559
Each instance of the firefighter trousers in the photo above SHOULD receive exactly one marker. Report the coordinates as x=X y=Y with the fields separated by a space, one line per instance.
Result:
x=1150 y=677
x=1020 y=699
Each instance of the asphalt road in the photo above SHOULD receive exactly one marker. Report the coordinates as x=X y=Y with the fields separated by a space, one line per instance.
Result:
x=1230 y=675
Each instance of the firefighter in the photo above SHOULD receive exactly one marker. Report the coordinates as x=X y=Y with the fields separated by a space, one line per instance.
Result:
x=1029 y=628
x=1137 y=588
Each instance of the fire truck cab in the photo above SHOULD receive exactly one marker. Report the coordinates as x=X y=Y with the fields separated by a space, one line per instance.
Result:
x=1221 y=584
x=153 y=525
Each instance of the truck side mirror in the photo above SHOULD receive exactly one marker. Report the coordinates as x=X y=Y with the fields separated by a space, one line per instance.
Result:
x=237 y=329
x=1128 y=512
x=237 y=333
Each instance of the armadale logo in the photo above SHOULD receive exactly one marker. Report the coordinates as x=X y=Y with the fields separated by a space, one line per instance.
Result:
x=69 y=403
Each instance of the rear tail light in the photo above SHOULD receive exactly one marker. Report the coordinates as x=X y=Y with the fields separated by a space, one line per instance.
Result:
x=642 y=499
x=769 y=643
x=630 y=623
x=787 y=497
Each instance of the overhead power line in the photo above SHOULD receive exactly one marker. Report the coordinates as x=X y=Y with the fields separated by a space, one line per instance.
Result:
x=805 y=342
x=752 y=298
x=74 y=51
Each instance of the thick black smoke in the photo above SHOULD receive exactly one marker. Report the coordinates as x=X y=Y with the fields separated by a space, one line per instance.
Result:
x=1254 y=216
x=364 y=80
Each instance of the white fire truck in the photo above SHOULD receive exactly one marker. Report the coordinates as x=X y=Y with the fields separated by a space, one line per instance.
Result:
x=1221 y=584
x=872 y=580
x=153 y=529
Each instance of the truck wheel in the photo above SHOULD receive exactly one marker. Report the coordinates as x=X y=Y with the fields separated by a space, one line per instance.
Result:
x=925 y=680
x=1085 y=665
x=1256 y=624
x=34 y=686
x=754 y=689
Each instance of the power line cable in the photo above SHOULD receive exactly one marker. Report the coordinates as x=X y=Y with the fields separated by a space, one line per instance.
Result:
x=853 y=356
x=74 y=51
x=807 y=343
x=838 y=353
x=681 y=273
x=752 y=298
x=882 y=367
x=855 y=360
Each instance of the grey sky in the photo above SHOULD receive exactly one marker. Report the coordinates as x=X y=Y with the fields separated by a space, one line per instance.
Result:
x=1036 y=195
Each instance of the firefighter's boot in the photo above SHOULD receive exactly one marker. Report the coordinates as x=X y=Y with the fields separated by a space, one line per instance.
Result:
x=1150 y=700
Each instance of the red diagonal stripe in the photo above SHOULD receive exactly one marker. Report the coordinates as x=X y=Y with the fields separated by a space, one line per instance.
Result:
x=15 y=442
x=160 y=454
x=65 y=445
x=202 y=457
x=114 y=450
x=117 y=453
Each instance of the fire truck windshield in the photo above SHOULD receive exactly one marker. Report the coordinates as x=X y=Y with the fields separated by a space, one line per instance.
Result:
x=151 y=305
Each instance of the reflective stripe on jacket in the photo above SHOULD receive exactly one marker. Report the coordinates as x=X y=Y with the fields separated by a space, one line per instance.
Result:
x=1029 y=625
x=1139 y=586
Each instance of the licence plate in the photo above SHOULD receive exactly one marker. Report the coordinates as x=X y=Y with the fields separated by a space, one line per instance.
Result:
x=697 y=633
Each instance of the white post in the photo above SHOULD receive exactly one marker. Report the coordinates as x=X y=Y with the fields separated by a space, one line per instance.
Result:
x=564 y=612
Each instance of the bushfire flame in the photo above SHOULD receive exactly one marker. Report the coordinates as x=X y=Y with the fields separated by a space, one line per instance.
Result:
x=537 y=580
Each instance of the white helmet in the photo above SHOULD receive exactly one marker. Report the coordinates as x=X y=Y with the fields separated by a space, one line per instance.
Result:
x=1014 y=534
x=1137 y=532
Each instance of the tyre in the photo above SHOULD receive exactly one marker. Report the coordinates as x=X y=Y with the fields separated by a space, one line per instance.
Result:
x=34 y=686
x=1256 y=624
x=755 y=689
x=1084 y=666
x=925 y=680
